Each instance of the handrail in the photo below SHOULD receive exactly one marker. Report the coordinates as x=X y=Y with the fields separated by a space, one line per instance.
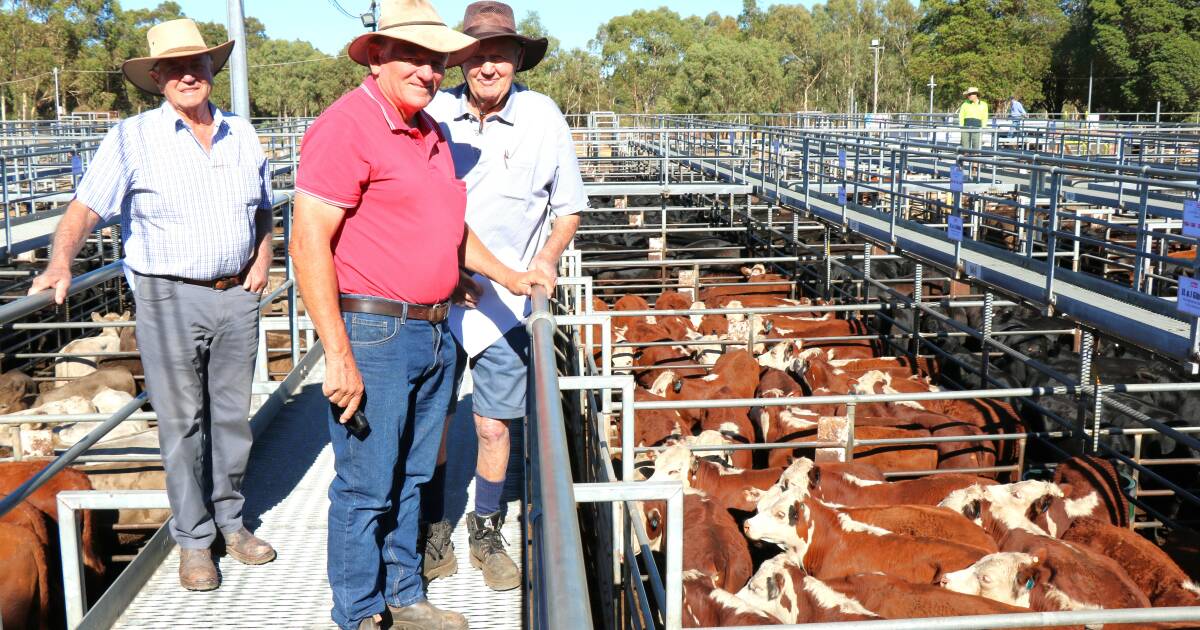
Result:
x=36 y=302
x=558 y=574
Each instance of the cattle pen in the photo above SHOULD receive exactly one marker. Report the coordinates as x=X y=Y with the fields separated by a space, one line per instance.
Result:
x=1033 y=296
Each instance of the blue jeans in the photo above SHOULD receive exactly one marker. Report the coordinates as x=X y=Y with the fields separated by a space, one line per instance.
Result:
x=407 y=369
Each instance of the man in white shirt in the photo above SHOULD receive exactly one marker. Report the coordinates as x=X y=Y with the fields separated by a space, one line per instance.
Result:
x=513 y=149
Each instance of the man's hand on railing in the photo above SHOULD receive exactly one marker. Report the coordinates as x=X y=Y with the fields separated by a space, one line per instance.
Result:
x=522 y=283
x=53 y=278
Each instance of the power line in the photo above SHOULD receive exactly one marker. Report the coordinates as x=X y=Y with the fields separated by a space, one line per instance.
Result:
x=33 y=78
x=346 y=13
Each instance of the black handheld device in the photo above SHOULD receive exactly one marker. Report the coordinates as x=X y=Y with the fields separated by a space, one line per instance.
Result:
x=357 y=424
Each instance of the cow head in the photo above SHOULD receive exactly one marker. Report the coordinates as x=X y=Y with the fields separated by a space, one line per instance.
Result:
x=662 y=383
x=1004 y=507
x=773 y=588
x=783 y=516
x=673 y=464
x=784 y=356
x=1004 y=577
x=1051 y=513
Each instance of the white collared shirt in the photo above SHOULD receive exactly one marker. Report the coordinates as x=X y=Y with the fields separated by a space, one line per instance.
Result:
x=184 y=212
x=521 y=171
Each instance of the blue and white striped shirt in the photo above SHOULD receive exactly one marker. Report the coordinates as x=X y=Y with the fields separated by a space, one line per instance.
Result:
x=184 y=212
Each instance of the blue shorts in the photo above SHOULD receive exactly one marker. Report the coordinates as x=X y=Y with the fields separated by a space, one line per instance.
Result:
x=499 y=377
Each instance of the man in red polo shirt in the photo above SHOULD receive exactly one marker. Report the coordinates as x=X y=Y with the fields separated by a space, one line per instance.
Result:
x=378 y=242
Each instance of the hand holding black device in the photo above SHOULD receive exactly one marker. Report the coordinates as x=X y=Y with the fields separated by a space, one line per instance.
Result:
x=357 y=424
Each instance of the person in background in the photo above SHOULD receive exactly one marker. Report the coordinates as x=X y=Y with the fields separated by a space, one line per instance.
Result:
x=513 y=148
x=378 y=243
x=972 y=118
x=171 y=173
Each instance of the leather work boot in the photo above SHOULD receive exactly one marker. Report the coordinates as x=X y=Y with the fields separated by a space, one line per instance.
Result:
x=423 y=616
x=248 y=548
x=500 y=573
x=197 y=571
x=368 y=624
x=439 y=551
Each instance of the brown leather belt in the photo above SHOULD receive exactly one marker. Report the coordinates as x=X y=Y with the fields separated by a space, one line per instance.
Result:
x=220 y=284
x=434 y=314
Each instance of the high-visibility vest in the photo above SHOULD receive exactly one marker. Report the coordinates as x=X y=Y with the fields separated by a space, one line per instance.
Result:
x=977 y=110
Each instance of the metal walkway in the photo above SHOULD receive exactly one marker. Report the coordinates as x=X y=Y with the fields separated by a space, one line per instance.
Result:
x=287 y=503
x=1144 y=320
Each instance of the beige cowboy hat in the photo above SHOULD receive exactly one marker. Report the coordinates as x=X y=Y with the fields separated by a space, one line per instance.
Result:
x=416 y=22
x=176 y=38
x=971 y=90
x=489 y=19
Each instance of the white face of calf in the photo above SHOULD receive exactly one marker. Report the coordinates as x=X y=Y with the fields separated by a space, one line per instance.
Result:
x=772 y=590
x=673 y=464
x=782 y=517
x=995 y=577
x=1007 y=504
x=783 y=356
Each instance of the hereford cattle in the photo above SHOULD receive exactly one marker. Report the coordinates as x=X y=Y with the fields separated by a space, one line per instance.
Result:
x=999 y=508
x=706 y=606
x=629 y=303
x=893 y=598
x=830 y=545
x=13 y=474
x=924 y=521
x=1044 y=574
x=29 y=517
x=24 y=581
x=783 y=589
x=847 y=489
x=712 y=543
x=1156 y=575
x=1092 y=488
x=732 y=488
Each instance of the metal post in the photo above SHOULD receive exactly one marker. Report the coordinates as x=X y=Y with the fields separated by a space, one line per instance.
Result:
x=931 y=86
x=914 y=344
x=876 y=47
x=1091 y=64
x=57 y=105
x=988 y=315
x=238 y=70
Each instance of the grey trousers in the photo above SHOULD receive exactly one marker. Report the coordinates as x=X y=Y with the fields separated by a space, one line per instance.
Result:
x=198 y=347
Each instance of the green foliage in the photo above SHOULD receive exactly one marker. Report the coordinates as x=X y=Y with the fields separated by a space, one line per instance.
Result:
x=784 y=57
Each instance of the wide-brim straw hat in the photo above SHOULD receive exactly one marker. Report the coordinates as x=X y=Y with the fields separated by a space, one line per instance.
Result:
x=176 y=38
x=489 y=20
x=971 y=90
x=416 y=22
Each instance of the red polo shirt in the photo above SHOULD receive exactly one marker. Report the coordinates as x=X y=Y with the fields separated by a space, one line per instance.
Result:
x=404 y=207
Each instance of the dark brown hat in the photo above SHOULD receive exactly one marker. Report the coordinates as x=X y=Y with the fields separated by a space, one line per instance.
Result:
x=489 y=19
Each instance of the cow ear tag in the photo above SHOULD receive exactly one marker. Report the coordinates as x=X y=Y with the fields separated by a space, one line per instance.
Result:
x=1029 y=584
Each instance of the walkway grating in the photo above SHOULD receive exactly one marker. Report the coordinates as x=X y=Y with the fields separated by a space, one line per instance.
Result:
x=287 y=502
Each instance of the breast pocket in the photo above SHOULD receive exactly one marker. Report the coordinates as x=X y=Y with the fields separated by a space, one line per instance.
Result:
x=518 y=182
x=240 y=183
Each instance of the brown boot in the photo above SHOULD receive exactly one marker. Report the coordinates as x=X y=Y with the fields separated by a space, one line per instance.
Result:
x=423 y=616
x=197 y=571
x=248 y=548
x=500 y=573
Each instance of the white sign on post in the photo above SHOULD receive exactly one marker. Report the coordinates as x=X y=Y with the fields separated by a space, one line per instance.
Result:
x=1189 y=295
x=954 y=225
x=956 y=179
x=1191 y=218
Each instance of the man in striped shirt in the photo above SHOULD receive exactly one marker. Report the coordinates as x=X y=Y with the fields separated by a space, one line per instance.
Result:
x=191 y=187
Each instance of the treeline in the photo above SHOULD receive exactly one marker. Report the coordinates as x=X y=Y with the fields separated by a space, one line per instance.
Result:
x=1140 y=54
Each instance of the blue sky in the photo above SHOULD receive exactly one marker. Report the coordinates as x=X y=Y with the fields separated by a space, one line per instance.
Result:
x=573 y=22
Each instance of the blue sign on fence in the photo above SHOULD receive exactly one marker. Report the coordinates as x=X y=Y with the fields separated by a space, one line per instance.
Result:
x=1191 y=218
x=956 y=179
x=842 y=159
x=954 y=227
x=841 y=195
x=1189 y=295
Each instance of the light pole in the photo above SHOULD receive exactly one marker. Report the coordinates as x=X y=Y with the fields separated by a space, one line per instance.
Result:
x=877 y=48
x=239 y=78
x=931 y=86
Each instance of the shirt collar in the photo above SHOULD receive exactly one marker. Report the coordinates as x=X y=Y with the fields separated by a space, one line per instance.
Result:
x=505 y=115
x=172 y=117
x=397 y=124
